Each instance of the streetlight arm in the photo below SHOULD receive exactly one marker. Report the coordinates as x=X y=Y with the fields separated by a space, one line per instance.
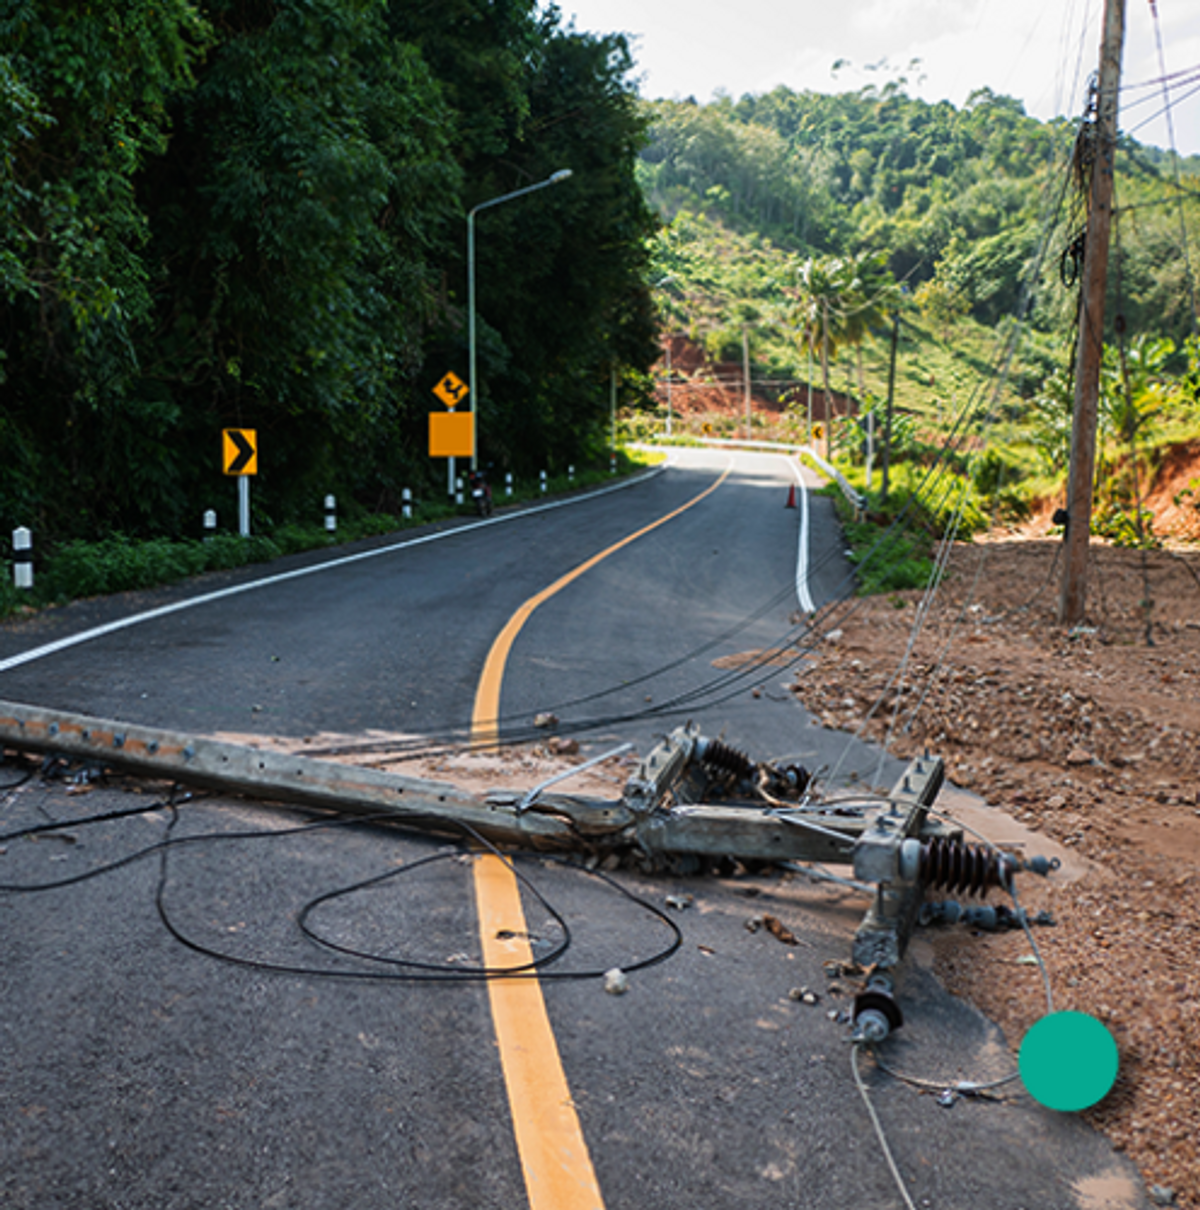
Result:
x=560 y=175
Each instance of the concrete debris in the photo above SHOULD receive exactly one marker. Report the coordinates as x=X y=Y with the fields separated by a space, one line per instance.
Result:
x=679 y=902
x=1161 y=1195
x=804 y=995
x=545 y=719
x=616 y=982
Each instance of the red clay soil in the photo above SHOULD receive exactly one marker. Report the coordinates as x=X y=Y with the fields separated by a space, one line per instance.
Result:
x=1174 y=498
x=700 y=387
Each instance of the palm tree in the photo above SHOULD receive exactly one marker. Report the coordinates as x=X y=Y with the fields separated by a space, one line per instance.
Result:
x=869 y=296
x=819 y=318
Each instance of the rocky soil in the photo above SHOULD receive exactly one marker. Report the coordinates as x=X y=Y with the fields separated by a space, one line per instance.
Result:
x=1091 y=736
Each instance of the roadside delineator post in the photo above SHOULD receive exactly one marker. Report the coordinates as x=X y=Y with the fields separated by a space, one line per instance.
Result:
x=542 y=475
x=330 y=514
x=22 y=540
x=508 y=484
x=458 y=490
x=210 y=523
x=406 y=505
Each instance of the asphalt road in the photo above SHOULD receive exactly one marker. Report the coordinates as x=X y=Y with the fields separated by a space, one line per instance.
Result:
x=138 y=1072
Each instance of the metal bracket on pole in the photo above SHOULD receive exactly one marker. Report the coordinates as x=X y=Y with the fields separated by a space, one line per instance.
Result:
x=883 y=936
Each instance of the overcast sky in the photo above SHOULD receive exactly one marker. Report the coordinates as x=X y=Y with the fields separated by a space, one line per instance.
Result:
x=1041 y=51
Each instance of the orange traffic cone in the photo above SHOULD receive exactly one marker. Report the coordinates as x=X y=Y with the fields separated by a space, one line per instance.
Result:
x=791 y=497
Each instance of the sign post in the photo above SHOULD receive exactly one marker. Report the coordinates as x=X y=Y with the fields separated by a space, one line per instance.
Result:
x=451 y=433
x=239 y=456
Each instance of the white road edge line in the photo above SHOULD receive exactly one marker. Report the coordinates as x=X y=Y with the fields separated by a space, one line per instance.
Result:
x=97 y=632
x=803 y=596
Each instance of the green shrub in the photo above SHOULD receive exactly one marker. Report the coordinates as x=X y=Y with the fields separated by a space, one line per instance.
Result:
x=889 y=557
x=1120 y=526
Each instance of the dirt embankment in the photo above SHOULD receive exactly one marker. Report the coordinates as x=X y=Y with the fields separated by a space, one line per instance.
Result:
x=1091 y=736
x=701 y=388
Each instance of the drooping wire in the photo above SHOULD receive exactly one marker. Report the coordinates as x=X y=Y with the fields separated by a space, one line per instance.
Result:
x=1166 y=91
x=883 y=1143
x=982 y=410
x=411 y=970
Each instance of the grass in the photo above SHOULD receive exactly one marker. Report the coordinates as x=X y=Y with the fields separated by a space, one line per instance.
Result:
x=892 y=543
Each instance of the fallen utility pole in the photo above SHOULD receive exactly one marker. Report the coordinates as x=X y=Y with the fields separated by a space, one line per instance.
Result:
x=691 y=799
x=277 y=776
x=1080 y=484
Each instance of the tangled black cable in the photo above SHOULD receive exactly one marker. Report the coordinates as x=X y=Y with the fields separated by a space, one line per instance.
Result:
x=412 y=971
x=16 y=785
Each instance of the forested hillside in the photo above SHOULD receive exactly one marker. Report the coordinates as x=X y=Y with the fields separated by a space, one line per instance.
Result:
x=805 y=224
x=252 y=213
x=959 y=200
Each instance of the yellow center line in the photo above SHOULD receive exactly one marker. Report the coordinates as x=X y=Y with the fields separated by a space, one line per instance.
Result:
x=554 y=1156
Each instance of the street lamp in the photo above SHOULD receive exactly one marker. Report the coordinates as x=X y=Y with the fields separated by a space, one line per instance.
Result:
x=560 y=175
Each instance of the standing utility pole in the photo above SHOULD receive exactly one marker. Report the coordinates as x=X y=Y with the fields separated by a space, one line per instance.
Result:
x=891 y=399
x=1091 y=321
x=825 y=380
x=746 y=375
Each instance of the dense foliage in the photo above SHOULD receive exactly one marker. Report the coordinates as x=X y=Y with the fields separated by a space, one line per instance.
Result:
x=251 y=213
x=972 y=207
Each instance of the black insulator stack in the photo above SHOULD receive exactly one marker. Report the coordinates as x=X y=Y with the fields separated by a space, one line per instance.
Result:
x=955 y=865
x=718 y=755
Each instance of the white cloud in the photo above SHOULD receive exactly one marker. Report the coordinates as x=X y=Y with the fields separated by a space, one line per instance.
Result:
x=1040 y=51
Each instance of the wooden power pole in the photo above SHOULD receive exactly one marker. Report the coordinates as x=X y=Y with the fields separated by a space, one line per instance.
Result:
x=1073 y=599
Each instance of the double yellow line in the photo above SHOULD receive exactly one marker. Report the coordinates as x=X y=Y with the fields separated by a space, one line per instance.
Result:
x=554 y=1156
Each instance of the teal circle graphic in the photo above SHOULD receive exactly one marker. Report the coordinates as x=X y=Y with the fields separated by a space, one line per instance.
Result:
x=1068 y=1061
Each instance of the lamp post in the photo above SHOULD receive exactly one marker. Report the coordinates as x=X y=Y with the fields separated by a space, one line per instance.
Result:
x=560 y=175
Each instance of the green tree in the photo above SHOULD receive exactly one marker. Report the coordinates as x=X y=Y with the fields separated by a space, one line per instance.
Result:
x=563 y=298
x=869 y=296
x=85 y=93
x=300 y=218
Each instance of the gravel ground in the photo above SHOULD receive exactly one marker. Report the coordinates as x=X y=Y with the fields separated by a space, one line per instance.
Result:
x=1090 y=736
